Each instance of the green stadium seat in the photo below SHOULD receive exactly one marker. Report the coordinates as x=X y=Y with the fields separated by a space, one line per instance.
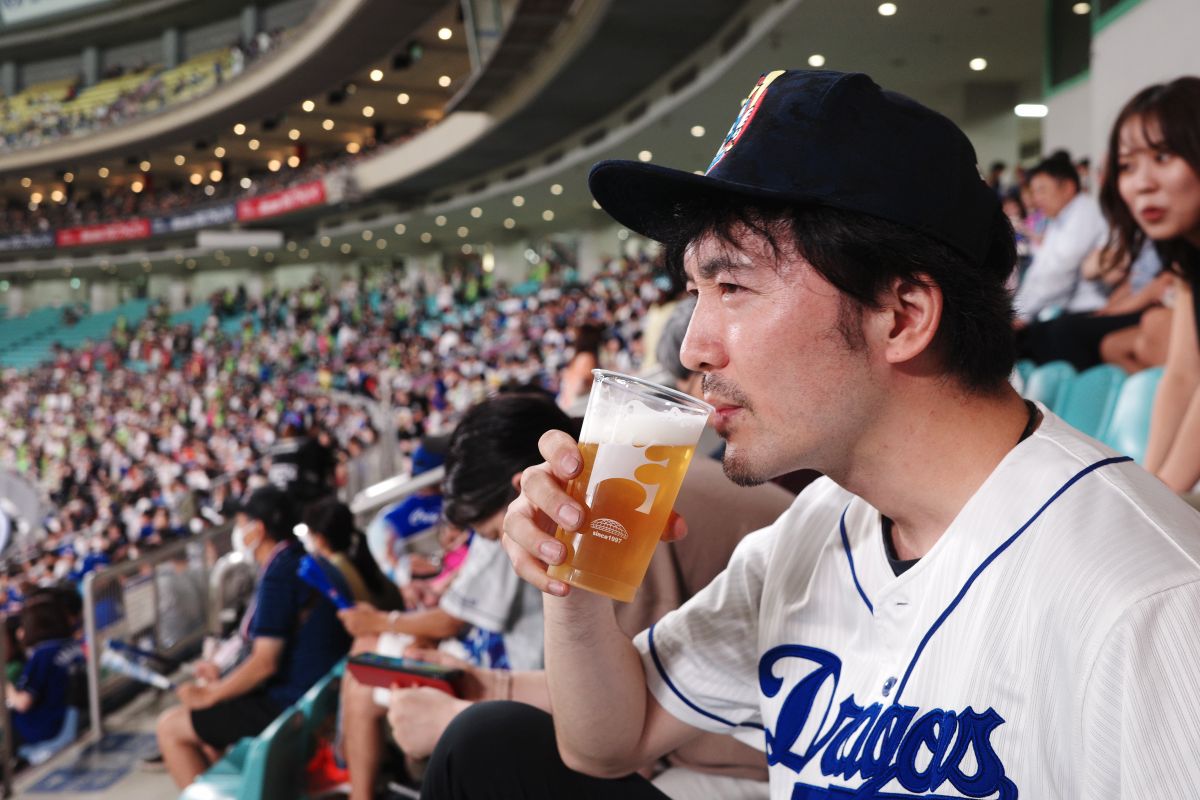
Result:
x=1024 y=368
x=1128 y=429
x=1048 y=384
x=1090 y=398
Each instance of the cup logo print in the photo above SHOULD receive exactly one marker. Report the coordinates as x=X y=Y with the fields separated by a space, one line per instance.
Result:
x=612 y=496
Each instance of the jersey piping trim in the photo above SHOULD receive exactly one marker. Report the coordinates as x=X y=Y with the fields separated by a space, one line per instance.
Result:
x=850 y=559
x=671 y=685
x=987 y=562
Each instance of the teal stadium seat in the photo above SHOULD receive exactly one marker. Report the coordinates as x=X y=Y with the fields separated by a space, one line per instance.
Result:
x=1048 y=384
x=1128 y=429
x=1091 y=397
x=1025 y=368
x=269 y=766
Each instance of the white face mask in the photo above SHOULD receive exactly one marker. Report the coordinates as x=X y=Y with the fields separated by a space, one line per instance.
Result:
x=241 y=545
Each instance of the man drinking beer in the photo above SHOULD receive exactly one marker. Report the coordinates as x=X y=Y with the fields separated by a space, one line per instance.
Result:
x=976 y=601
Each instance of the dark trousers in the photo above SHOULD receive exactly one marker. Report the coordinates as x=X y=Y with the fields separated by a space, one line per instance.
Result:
x=1071 y=337
x=507 y=751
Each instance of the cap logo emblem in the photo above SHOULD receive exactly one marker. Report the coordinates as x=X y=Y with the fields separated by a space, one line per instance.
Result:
x=745 y=116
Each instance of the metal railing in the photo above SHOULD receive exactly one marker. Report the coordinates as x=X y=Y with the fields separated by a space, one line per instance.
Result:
x=163 y=603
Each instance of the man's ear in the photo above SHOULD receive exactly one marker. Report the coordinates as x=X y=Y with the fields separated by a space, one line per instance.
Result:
x=909 y=318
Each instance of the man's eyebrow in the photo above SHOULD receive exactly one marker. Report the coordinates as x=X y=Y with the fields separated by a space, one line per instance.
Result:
x=712 y=267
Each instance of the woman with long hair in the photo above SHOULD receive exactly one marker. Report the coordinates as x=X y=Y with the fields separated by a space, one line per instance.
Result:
x=1152 y=191
x=334 y=538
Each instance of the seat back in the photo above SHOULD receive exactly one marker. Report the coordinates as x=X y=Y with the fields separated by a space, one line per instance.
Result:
x=1091 y=397
x=1128 y=429
x=1048 y=384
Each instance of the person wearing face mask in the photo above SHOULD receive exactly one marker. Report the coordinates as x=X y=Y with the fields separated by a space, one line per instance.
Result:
x=294 y=639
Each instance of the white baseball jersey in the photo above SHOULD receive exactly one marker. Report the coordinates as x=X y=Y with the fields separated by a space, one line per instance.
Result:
x=1046 y=647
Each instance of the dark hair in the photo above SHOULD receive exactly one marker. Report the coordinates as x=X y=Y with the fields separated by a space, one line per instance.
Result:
x=44 y=618
x=588 y=338
x=860 y=255
x=332 y=519
x=1175 y=106
x=1057 y=165
x=494 y=441
x=1014 y=196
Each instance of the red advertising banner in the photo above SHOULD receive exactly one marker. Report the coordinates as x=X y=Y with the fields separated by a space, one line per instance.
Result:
x=123 y=231
x=290 y=199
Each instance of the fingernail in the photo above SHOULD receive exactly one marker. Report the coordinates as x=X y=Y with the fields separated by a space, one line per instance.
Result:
x=557 y=587
x=569 y=463
x=552 y=552
x=568 y=515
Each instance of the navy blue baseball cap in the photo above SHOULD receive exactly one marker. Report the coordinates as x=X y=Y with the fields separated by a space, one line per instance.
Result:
x=824 y=138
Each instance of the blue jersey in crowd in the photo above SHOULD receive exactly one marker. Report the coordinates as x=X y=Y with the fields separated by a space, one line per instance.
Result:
x=287 y=608
x=47 y=678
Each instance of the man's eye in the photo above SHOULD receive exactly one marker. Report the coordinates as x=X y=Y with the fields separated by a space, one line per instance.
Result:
x=729 y=288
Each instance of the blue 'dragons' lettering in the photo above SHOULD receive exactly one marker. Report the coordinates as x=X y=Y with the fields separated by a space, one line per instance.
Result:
x=878 y=743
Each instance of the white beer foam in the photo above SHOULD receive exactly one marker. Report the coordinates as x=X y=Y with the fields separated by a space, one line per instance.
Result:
x=633 y=423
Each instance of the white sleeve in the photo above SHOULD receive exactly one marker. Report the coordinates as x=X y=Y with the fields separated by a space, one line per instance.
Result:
x=1056 y=271
x=1141 y=716
x=701 y=660
x=483 y=591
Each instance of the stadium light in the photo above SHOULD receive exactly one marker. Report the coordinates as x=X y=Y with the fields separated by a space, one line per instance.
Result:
x=444 y=34
x=245 y=183
x=462 y=231
x=239 y=129
x=219 y=151
x=556 y=189
x=467 y=249
x=439 y=220
x=216 y=175
x=26 y=182
x=476 y=212
x=144 y=166
x=68 y=177
x=293 y=161
x=887 y=9
x=697 y=131
x=367 y=235
x=294 y=134
x=57 y=195
x=400 y=228
x=353 y=147
x=274 y=165
x=548 y=215
x=136 y=187
x=381 y=244
x=510 y=223
x=102 y=172
x=253 y=144
x=1082 y=9
x=444 y=81
x=180 y=160
x=816 y=60
x=645 y=155
x=196 y=179
x=1034 y=110
x=403 y=98
x=518 y=200
x=325 y=241
x=978 y=64
x=426 y=237
x=345 y=248
x=308 y=105
x=368 y=111
x=303 y=252
x=377 y=75
x=35 y=198
x=327 y=124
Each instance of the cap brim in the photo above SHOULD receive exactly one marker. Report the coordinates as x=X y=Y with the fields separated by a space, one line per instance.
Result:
x=651 y=200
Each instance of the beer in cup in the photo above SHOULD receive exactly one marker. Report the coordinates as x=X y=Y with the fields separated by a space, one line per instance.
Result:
x=636 y=443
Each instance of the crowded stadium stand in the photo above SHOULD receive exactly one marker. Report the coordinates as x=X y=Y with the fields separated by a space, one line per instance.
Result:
x=264 y=265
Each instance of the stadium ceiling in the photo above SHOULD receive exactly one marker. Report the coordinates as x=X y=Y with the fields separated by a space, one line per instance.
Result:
x=924 y=50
